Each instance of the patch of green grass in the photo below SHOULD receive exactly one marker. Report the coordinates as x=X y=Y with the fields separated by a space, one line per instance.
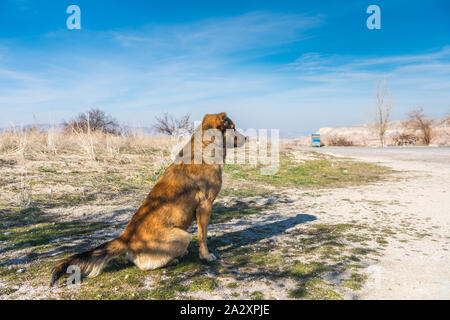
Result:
x=19 y=217
x=362 y=251
x=121 y=279
x=245 y=256
x=298 y=293
x=307 y=270
x=63 y=199
x=355 y=282
x=421 y=235
x=158 y=173
x=257 y=295
x=353 y=237
x=189 y=264
x=167 y=290
x=312 y=173
x=37 y=273
x=265 y=258
x=315 y=289
x=8 y=273
x=381 y=241
x=47 y=170
x=7 y=291
x=328 y=251
x=354 y=266
x=203 y=283
x=312 y=195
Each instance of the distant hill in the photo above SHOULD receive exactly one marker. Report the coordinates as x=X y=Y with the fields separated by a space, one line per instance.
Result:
x=365 y=135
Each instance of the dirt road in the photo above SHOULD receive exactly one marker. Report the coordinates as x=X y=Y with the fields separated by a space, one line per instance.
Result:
x=417 y=268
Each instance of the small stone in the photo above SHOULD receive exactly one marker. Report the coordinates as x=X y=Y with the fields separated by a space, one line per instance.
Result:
x=126 y=277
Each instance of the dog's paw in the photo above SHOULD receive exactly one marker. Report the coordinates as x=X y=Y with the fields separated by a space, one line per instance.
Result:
x=210 y=257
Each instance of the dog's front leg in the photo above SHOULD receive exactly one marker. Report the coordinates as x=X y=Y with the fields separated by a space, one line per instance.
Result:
x=203 y=214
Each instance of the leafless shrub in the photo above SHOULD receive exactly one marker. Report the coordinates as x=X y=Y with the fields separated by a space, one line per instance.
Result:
x=338 y=141
x=167 y=124
x=93 y=120
x=417 y=121
x=405 y=139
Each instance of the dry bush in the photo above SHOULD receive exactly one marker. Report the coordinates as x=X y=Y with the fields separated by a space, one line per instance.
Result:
x=93 y=120
x=418 y=121
x=338 y=141
x=171 y=126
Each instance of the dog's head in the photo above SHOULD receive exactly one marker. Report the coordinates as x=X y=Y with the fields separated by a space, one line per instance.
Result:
x=216 y=134
x=221 y=122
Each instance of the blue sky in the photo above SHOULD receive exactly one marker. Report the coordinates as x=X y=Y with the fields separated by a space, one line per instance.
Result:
x=293 y=65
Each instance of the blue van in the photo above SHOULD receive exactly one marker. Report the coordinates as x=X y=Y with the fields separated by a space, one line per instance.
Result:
x=315 y=138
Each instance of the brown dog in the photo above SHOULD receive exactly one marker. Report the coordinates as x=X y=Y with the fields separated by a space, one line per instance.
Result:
x=156 y=234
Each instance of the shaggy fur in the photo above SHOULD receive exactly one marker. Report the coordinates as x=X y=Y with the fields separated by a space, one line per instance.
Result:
x=156 y=234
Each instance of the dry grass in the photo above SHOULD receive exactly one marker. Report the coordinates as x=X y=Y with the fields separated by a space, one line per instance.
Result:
x=22 y=143
x=40 y=165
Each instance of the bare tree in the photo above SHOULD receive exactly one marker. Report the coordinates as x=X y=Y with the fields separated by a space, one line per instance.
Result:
x=167 y=124
x=418 y=121
x=93 y=120
x=383 y=107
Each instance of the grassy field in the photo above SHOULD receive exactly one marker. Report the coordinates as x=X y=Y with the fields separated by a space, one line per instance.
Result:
x=62 y=194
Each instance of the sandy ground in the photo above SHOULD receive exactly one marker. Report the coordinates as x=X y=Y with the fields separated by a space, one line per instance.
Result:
x=417 y=269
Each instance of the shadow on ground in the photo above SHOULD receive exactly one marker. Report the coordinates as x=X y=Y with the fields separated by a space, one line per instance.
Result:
x=259 y=232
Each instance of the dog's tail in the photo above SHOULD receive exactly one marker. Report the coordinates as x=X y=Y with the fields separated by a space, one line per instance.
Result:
x=90 y=262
